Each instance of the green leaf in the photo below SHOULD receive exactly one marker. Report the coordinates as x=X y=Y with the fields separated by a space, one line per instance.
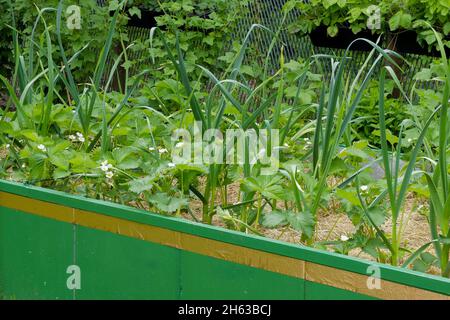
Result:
x=127 y=65
x=354 y=13
x=121 y=131
x=444 y=240
x=332 y=31
x=405 y=20
x=59 y=160
x=372 y=246
x=435 y=200
x=126 y=158
x=60 y=173
x=303 y=222
x=248 y=70
x=30 y=135
x=424 y=74
x=274 y=219
x=446 y=28
x=142 y=184
x=268 y=186
x=135 y=11
x=113 y=5
x=341 y=3
x=392 y=139
x=377 y=215
x=394 y=22
x=131 y=162
x=82 y=163
x=420 y=265
x=416 y=254
x=354 y=152
x=348 y=195
x=328 y=3
x=59 y=147
x=209 y=40
x=430 y=38
x=167 y=203
x=428 y=258
x=120 y=154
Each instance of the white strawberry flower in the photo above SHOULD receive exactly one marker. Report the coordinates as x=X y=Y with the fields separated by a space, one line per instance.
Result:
x=344 y=238
x=109 y=174
x=171 y=165
x=80 y=137
x=42 y=147
x=105 y=166
x=364 y=188
x=162 y=150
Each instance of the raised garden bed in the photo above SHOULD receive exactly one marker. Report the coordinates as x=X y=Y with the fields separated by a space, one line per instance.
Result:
x=123 y=252
x=130 y=142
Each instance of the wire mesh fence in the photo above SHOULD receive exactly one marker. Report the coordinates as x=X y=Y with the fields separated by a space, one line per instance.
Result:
x=269 y=13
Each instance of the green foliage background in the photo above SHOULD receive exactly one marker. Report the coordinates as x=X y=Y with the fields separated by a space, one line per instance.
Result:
x=205 y=31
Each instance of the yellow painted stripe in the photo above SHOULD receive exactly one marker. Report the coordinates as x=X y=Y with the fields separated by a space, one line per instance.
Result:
x=356 y=282
x=229 y=252
x=40 y=208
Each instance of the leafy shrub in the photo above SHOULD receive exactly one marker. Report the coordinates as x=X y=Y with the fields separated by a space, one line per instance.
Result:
x=205 y=31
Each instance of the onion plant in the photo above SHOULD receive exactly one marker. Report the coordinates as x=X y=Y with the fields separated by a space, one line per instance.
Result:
x=397 y=180
x=211 y=113
x=439 y=181
x=338 y=101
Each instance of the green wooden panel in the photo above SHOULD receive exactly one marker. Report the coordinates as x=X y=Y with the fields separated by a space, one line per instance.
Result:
x=34 y=256
x=203 y=277
x=119 y=267
x=317 y=291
